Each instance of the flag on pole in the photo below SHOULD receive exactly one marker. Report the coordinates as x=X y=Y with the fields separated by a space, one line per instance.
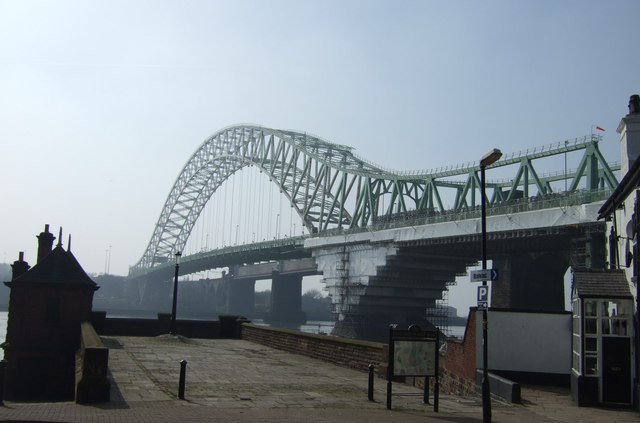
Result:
x=601 y=129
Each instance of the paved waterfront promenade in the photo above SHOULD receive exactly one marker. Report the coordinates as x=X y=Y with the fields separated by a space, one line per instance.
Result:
x=236 y=380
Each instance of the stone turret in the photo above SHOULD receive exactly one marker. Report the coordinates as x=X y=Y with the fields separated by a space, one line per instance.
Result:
x=47 y=305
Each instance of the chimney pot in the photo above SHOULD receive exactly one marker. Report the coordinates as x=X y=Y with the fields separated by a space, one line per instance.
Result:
x=19 y=266
x=45 y=243
x=634 y=104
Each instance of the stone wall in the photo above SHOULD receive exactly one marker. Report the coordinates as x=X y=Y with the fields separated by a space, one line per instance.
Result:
x=341 y=351
x=92 y=361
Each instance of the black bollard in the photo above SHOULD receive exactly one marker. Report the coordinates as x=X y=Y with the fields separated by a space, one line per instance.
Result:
x=425 y=396
x=436 y=394
x=183 y=374
x=3 y=367
x=371 y=367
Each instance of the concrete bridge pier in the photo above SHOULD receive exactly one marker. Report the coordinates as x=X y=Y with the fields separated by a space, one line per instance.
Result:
x=156 y=292
x=375 y=327
x=240 y=296
x=530 y=281
x=286 y=302
x=375 y=285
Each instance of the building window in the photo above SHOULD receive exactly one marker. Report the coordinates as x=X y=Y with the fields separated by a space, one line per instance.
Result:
x=577 y=340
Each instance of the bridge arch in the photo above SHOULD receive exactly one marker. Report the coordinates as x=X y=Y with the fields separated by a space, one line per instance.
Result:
x=315 y=176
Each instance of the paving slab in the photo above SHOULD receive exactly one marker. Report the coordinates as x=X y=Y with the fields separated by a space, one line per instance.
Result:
x=239 y=381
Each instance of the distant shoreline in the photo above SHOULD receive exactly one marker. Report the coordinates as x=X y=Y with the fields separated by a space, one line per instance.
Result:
x=453 y=320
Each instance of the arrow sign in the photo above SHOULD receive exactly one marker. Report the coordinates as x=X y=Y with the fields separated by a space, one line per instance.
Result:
x=484 y=275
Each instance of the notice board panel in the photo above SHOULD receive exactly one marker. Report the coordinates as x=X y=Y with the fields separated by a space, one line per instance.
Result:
x=414 y=358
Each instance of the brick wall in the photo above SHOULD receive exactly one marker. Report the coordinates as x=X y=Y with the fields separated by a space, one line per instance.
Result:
x=458 y=363
x=460 y=356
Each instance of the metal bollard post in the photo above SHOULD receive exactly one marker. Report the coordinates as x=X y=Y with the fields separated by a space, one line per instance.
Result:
x=183 y=374
x=371 y=367
x=425 y=396
x=3 y=367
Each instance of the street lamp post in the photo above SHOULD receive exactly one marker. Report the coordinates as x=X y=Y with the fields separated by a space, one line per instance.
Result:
x=172 y=328
x=486 y=160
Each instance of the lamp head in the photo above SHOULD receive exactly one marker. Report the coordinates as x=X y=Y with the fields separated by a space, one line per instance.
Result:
x=491 y=157
x=178 y=255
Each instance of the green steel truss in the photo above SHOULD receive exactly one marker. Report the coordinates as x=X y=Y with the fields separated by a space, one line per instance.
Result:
x=332 y=188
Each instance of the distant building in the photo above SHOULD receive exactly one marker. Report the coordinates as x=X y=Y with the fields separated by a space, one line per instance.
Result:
x=47 y=304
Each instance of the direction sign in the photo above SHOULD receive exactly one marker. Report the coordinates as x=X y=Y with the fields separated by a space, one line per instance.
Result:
x=484 y=275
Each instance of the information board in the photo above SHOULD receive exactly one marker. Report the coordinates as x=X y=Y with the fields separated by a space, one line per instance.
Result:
x=413 y=352
x=414 y=358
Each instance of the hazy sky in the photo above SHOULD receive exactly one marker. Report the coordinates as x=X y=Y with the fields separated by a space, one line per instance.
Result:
x=102 y=103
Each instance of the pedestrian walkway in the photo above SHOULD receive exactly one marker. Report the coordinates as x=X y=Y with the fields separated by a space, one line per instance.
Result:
x=236 y=380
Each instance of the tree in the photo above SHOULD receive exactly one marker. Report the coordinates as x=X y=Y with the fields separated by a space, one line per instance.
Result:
x=316 y=305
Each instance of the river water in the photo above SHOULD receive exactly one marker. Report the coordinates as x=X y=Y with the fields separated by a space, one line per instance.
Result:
x=3 y=329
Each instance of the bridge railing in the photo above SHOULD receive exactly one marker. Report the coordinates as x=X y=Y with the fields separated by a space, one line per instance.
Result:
x=423 y=217
x=232 y=250
x=410 y=218
x=263 y=245
x=513 y=157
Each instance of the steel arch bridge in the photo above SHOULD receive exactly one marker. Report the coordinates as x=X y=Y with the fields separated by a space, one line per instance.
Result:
x=330 y=187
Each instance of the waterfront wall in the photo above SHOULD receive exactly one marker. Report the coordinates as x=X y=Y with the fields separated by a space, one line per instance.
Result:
x=92 y=361
x=341 y=351
x=207 y=329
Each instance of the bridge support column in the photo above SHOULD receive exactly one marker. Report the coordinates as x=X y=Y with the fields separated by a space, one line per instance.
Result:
x=286 y=302
x=530 y=281
x=155 y=293
x=375 y=285
x=241 y=296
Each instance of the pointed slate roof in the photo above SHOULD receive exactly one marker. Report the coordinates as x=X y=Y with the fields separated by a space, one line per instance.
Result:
x=57 y=267
x=601 y=283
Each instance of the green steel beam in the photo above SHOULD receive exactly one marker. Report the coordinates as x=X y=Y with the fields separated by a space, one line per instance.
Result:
x=332 y=188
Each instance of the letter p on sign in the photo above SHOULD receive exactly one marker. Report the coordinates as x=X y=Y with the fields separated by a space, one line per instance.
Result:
x=483 y=293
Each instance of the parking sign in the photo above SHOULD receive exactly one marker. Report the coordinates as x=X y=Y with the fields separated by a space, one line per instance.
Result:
x=483 y=293
x=483 y=297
